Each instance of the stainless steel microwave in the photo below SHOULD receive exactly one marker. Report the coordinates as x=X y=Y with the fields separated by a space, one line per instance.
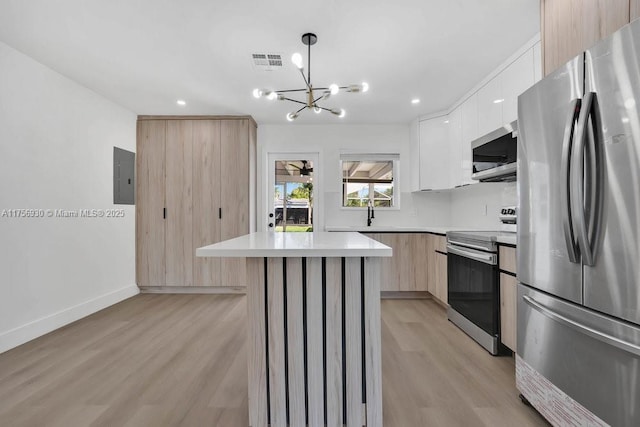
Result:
x=495 y=155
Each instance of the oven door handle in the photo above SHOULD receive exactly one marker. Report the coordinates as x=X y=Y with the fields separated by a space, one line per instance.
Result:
x=465 y=244
x=490 y=259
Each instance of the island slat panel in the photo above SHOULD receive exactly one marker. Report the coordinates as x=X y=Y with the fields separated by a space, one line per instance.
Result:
x=276 y=342
x=315 y=343
x=373 y=354
x=295 y=342
x=317 y=323
x=256 y=360
x=353 y=339
x=333 y=332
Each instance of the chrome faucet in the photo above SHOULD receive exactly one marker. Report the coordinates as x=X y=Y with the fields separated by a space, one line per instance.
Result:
x=370 y=213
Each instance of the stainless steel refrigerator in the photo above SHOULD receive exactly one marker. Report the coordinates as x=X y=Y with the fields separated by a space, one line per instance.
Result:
x=578 y=347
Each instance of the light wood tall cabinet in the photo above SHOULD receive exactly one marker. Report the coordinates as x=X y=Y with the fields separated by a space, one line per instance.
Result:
x=634 y=10
x=193 y=189
x=571 y=26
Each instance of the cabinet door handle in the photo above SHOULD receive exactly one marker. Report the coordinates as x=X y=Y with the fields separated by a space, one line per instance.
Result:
x=220 y=213
x=164 y=213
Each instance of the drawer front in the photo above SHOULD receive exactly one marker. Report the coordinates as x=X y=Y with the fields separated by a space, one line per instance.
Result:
x=508 y=259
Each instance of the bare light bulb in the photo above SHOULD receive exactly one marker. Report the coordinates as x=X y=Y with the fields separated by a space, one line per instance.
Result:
x=365 y=86
x=257 y=93
x=272 y=95
x=317 y=110
x=338 y=112
x=296 y=58
x=292 y=116
x=334 y=89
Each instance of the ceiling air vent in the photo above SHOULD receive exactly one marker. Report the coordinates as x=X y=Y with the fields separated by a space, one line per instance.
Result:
x=267 y=61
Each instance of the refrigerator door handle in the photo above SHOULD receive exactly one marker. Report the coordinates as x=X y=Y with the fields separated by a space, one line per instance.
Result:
x=586 y=330
x=588 y=183
x=595 y=176
x=565 y=193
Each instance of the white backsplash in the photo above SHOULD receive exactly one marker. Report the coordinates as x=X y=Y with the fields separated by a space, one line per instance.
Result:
x=478 y=205
x=416 y=209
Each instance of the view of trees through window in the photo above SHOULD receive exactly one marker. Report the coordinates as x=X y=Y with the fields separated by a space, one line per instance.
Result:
x=293 y=196
x=365 y=181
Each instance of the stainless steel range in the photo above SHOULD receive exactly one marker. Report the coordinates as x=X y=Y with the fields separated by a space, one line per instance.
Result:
x=473 y=281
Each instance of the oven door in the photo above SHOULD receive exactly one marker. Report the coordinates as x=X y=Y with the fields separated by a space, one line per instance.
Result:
x=473 y=286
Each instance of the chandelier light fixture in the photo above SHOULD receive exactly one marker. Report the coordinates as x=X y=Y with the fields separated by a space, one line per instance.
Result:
x=313 y=95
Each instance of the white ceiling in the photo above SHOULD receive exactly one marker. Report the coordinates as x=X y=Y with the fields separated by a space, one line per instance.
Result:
x=146 y=54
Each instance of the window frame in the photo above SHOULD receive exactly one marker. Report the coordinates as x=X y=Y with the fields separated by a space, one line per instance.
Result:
x=372 y=157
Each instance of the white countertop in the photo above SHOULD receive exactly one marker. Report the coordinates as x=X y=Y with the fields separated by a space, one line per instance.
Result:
x=507 y=240
x=388 y=229
x=317 y=244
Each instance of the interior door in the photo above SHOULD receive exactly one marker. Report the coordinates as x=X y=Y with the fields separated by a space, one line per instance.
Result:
x=292 y=192
x=545 y=237
x=613 y=70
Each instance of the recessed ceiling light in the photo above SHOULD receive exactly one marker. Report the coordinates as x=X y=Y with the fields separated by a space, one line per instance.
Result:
x=415 y=101
x=446 y=121
x=498 y=101
x=181 y=102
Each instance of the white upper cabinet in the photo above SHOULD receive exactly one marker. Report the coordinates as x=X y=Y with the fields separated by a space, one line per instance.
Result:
x=490 y=102
x=469 y=122
x=516 y=78
x=455 y=147
x=434 y=154
x=414 y=154
x=441 y=154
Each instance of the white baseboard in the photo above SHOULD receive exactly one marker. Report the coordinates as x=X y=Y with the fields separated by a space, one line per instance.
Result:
x=223 y=290
x=25 y=333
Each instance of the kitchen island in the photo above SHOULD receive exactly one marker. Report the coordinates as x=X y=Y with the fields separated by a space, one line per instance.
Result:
x=313 y=313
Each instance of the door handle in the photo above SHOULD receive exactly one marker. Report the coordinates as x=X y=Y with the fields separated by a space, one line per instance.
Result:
x=586 y=330
x=588 y=188
x=565 y=189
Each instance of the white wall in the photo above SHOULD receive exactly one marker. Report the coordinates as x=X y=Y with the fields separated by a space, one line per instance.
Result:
x=332 y=140
x=477 y=206
x=56 y=152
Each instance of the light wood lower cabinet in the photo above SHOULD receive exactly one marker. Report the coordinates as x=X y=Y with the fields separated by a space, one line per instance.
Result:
x=406 y=270
x=508 y=315
x=508 y=296
x=415 y=265
x=193 y=189
x=442 y=289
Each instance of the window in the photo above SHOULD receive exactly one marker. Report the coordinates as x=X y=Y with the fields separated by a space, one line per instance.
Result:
x=368 y=178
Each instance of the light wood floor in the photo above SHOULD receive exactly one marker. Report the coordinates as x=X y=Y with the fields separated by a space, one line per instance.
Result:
x=157 y=360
